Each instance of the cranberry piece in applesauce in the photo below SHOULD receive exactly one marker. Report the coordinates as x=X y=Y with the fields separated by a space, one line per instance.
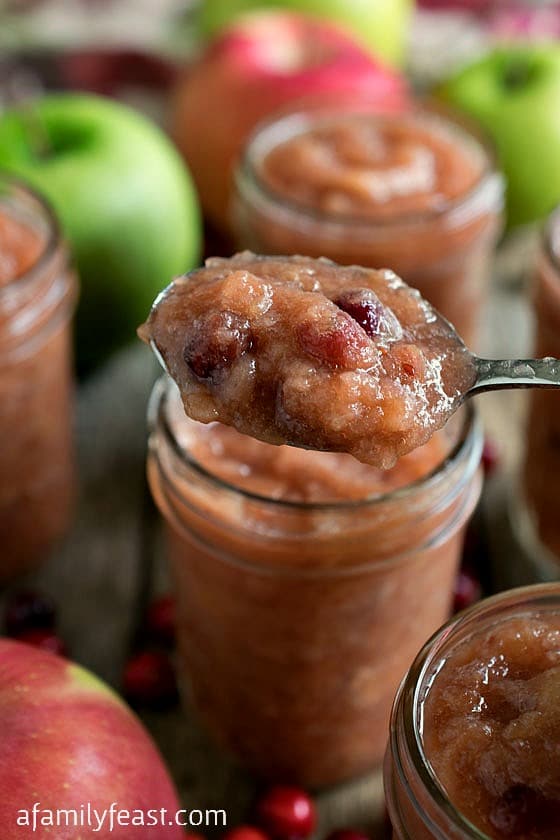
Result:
x=306 y=352
x=413 y=191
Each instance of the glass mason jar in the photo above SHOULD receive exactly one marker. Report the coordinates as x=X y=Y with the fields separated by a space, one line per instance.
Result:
x=443 y=251
x=536 y=514
x=296 y=621
x=37 y=478
x=418 y=807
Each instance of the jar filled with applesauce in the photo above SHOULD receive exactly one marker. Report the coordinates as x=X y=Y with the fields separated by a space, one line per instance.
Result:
x=413 y=192
x=535 y=509
x=37 y=299
x=473 y=748
x=305 y=583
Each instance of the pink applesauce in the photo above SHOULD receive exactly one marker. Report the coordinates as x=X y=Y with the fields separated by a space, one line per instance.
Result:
x=475 y=735
x=37 y=296
x=305 y=582
x=491 y=728
x=303 y=351
x=412 y=191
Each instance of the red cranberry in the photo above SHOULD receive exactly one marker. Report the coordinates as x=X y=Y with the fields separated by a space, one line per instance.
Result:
x=466 y=591
x=245 y=832
x=286 y=813
x=161 y=620
x=43 y=639
x=149 y=680
x=339 y=343
x=491 y=456
x=347 y=834
x=215 y=342
x=364 y=307
x=29 y=610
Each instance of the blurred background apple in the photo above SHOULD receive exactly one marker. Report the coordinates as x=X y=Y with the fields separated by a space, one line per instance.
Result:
x=68 y=740
x=125 y=201
x=382 y=25
x=514 y=94
x=258 y=64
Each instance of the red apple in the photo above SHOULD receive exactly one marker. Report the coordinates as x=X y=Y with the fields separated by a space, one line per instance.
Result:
x=261 y=63
x=68 y=740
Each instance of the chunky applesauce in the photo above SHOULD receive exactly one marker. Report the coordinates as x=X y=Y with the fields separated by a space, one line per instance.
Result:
x=37 y=296
x=412 y=191
x=306 y=352
x=305 y=583
x=474 y=749
x=491 y=728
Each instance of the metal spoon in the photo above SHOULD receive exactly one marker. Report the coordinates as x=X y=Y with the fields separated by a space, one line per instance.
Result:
x=497 y=374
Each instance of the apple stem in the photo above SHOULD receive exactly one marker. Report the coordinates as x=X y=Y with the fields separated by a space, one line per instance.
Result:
x=517 y=74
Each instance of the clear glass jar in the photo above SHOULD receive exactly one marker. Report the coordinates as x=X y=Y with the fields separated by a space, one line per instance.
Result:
x=535 y=509
x=37 y=476
x=418 y=807
x=296 y=621
x=444 y=252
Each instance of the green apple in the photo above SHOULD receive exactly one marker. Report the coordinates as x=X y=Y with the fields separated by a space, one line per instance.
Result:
x=125 y=201
x=514 y=93
x=383 y=25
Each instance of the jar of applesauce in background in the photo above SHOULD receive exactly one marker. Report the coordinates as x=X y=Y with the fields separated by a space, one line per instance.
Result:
x=37 y=299
x=412 y=192
x=305 y=583
x=536 y=514
x=473 y=748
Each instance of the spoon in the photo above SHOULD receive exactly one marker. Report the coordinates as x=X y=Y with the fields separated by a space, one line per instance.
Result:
x=498 y=374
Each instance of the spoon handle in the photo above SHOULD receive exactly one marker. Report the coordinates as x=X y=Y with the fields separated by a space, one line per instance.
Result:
x=493 y=374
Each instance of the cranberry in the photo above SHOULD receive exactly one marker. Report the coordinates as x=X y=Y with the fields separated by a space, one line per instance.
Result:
x=29 y=610
x=467 y=590
x=286 y=813
x=363 y=306
x=43 y=639
x=161 y=620
x=347 y=834
x=215 y=342
x=340 y=343
x=491 y=456
x=245 y=832
x=149 y=680
x=515 y=812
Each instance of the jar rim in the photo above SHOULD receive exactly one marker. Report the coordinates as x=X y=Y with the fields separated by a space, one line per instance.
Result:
x=407 y=703
x=247 y=170
x=467 y=446
x=53 y=230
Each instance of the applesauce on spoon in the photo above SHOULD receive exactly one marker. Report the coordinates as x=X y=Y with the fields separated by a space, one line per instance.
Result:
x=303 y=351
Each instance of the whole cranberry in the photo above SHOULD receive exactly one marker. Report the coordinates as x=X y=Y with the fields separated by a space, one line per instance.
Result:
x=161 y=620
x=347 y=834
x=149 y=680
x=491 y=457
x=215 y=342
x=28 y=610
x=467 y=590
x=43 y=639
x=286 y=813
x=245 y=832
